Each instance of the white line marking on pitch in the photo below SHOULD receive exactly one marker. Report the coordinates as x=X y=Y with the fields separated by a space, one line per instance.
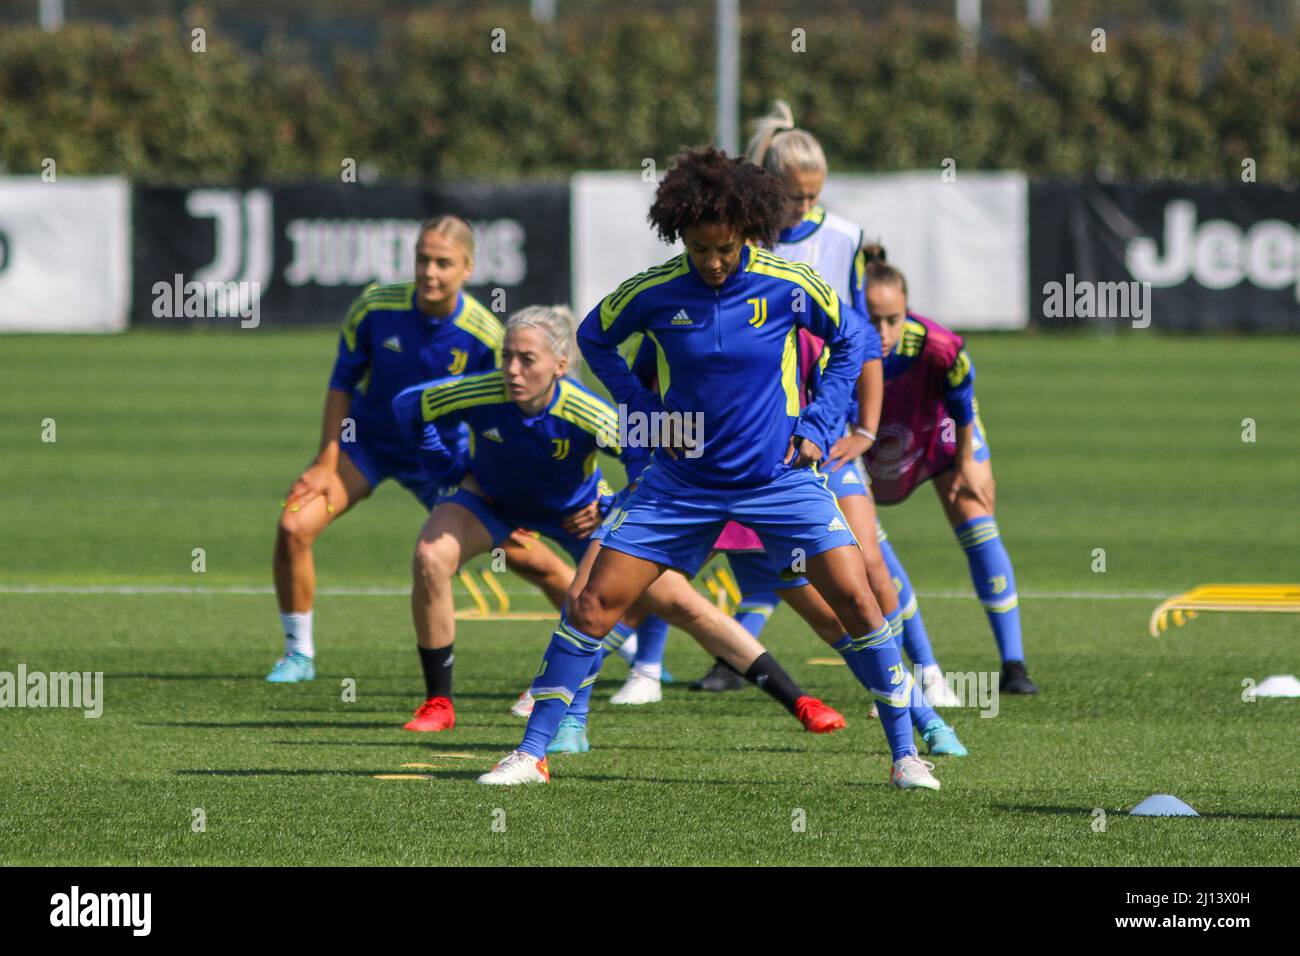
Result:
x=133 y=589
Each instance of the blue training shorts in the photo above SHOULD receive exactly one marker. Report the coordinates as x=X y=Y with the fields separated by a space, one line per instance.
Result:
x=501 y=522
x=850 y=480
x=671 y=523
x=757 y=573
x=378 y=463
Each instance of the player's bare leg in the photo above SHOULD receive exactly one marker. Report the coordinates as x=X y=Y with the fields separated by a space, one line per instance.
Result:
x=451 y=536
x=299 y=527
x=530 y=558
x=961 y=504
x=861 y=514
x=302 y=519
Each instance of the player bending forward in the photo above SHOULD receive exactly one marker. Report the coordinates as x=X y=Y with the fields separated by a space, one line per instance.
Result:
x=930 y=429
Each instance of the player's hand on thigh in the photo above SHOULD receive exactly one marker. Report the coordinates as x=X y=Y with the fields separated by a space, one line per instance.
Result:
x=317 y=481
x=584 y=521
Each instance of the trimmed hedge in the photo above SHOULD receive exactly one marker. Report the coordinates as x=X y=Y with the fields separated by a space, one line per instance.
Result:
x=610 y=90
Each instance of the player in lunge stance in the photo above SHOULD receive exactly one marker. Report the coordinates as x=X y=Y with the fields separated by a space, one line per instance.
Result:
x=832 y=246
x=930 y=429
x=531 y=462
x=394 y=336
x=724 y=318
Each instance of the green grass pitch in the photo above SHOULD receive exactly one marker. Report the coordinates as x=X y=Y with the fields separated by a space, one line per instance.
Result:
x=171 y=442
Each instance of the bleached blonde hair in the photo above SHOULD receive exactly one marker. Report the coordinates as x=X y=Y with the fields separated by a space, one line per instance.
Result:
x=556 y=322
x=779 y=146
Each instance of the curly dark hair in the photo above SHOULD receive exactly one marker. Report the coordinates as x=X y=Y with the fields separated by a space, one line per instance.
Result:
x=706 y=185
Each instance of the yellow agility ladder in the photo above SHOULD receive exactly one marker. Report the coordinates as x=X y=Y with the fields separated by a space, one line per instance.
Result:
x=1225 y=597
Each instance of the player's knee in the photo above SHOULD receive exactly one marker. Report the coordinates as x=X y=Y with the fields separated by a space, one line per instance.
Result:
x=592 y=614
x=855 y=610
x=434 y=564
x=295 y=532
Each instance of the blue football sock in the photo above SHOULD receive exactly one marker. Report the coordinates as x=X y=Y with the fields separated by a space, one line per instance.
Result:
x=755 y=608
x=581 y=705
x=922 y=713
x=570 y=659
x=615 y=639
x=875 y=662
x=652 y=638
x=915 y=639
x=995 y=583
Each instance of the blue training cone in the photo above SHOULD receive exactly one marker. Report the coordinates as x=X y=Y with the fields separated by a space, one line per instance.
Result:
x=1162 y=805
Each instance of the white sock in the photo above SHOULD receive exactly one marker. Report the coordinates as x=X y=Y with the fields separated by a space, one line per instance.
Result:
x=653 y=671
x=628 y=650
x=297 y=634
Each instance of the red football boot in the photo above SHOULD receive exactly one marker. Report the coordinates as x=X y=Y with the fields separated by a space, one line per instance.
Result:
x=817 y=718
x=436 y=713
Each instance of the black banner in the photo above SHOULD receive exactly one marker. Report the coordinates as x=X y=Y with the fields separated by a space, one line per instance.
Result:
x=280 y=255
x=1172 y=256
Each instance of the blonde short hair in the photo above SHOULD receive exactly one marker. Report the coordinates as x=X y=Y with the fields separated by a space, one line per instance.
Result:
x=556 y=322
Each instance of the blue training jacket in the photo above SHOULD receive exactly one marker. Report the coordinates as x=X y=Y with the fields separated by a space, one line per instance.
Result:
x=731 y=354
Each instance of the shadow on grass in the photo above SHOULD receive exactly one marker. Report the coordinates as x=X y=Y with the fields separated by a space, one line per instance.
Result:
x=209 y=676
x=386 y=771
x=279 y=724
x=448 y=743
x=440 y=745
x=1087 y=811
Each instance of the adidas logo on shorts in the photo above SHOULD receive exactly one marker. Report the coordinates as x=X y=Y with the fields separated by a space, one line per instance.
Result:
x=851 y=478
x=836 y=525
x=394 y=343
x=681 y=318
x=493 y=434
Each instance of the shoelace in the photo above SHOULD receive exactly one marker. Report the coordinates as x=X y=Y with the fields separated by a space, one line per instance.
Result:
x=907 y=762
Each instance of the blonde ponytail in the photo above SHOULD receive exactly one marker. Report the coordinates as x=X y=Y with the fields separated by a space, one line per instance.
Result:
x=778 y=146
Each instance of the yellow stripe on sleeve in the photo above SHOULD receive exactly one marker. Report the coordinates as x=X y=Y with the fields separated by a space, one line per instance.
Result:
x=445 y=397
x=613 y=304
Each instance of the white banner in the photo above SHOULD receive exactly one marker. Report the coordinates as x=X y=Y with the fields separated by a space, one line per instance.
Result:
x=65 y=254
x=963 y=245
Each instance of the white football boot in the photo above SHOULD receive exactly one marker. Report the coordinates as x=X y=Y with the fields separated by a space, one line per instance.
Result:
x=523 y=707
x=911 y=772
x=517 y=767
x=639 y=689
x=936 y=689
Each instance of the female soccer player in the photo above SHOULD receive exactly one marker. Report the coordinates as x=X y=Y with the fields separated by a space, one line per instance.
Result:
x=394 y=336
x=930 y=429
x=762 y=585
x=832 y=246
x=724 y=317
x=531 y=460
